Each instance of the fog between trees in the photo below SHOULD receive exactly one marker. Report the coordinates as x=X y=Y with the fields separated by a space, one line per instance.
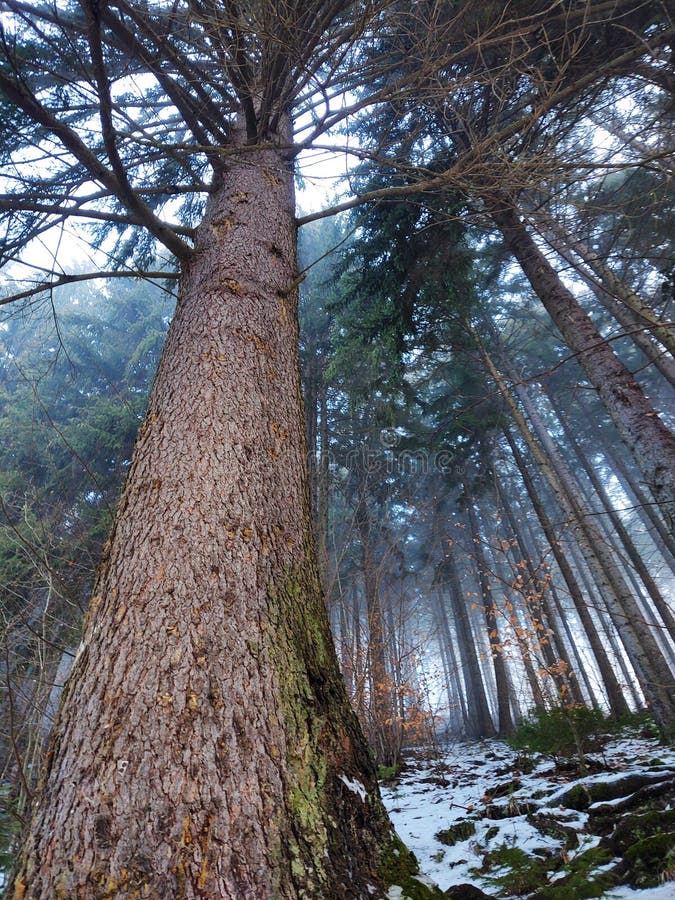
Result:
x=478 y=499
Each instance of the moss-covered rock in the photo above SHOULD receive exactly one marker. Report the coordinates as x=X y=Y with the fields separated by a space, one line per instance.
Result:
x=586 y=875
x=650 y=861
x=581 y=795
x=459 y=832
x=466 y=892
x=513 y=871
x=399 y=868
x=637 y=827
x=514 y=806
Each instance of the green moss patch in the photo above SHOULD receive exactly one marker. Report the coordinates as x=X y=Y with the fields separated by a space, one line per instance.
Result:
x=641 y=825
x=586 y=876
x=512 y=871
x=515 y=873
x=399 y=867
x=462 y=831
x=650 y=861
x=388 y=774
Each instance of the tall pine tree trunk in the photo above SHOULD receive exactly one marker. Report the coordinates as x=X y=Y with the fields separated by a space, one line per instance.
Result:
x=656 y=679
x=617 y=701
x=204 y=746
x=643 y=432
x=479 y=723
x=504 y=715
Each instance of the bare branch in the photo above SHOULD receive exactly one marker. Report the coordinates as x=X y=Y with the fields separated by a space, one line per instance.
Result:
x=86 y=276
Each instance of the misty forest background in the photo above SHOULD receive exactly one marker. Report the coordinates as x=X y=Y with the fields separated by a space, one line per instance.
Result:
x=488 y=546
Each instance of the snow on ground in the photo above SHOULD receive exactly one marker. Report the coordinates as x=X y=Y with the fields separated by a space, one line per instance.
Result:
x=449 y=789
x=664 y=892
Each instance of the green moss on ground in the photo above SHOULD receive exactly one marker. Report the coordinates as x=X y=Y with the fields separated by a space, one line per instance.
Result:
x=512 y=871
x=515 y=873
x=459 y=832
x=582 y=879
x=651 y=860
x=398 y=867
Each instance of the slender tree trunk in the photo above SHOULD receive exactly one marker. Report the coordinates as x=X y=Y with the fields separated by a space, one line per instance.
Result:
x=505 y=718
x=360 y=662
x=625 y=305
x=631 y=550
x=633 y=327
x=580 y=675
x=656 y=679
x=382 y=730
x=612 y=636
x=479 y=723
x=661 y=159
x=204 y=745
x=558 y=614
x=643 y=432
x=311 y=430
x=448 y=657
x=617 y=701
x=665 y=542
x=346 y=647
x=535 y=592
x=527 y=636
x=322 y=491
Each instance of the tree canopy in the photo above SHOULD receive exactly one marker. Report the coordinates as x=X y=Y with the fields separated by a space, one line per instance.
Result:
x=205 y=743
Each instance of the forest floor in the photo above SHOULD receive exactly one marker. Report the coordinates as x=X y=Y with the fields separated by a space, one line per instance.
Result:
x=477 y=814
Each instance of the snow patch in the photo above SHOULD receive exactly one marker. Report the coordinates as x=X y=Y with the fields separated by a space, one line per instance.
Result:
x=355 y=786
x=434 y=794
x=664 y=892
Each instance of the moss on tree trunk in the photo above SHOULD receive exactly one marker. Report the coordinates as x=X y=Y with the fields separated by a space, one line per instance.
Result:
x=205 y=746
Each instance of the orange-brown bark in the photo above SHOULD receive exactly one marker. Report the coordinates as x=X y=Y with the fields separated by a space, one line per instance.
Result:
x=204 y=746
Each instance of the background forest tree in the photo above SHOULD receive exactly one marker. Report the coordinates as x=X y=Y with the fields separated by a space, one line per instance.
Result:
x=446 y=413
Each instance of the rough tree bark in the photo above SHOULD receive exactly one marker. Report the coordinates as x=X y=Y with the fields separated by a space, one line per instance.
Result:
x=204 y=745
x=643 y=432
